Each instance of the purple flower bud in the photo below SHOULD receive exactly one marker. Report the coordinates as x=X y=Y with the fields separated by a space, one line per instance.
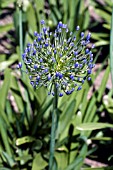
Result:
x=71 y=33
x=59 y=30
x=77 y=28
x=19 y=65
x=53 y=59
x=60 y=75
x=46 y=44
x=82 y=34
x=72 y=44
x=87 y=51
x=91 y=59
x=89 y=71
x=49 y=93
x=60 y=24
x=72 y=89
x=42 y=22
x=67 y=30
x=79 y=88
x=38 y=78
x=46 y=70
x=41 y=60
x=30 y=77
x=34 y=52
x=80 y=65
x=88 y=36
x=60 y=54
x=60 y=94
x=72 y=77
x=74 y=38
x=23 y=56
x=32 y=83
x=68 y=92
x=93 y=46
x=64 y=26
x=35 y=67
x=28 y=44
x=49 y=77
x=76 y=65
x=83 y=81
x=53 y=93
x=55 y=51
x=57 y=74
x=83 y=43
x=84 y=61
x=89 y=78
x=29 y=61
x=90 y=65
x=44 y=29
x=39 y=38
x=75 y=53
x=35 y=33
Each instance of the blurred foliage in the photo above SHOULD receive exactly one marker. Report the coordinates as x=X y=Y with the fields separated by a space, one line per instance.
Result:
x=25 y=114
x=103 y=11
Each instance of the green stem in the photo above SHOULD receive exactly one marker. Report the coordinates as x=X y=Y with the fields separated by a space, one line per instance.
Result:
x=21 y=38
x=28 y=117
x=53 y=129
x=20 y=32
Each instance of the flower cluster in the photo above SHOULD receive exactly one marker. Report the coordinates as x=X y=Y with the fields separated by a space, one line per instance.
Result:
x=57 y=58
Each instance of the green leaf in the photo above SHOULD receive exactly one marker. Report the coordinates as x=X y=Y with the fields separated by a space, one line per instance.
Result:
x=98 y=36
x=111 y=47
x=57 y=13
x=4 y=4
x=5 y=64
x=9 y=160
x=31 y=19
x=104 y=15
x=40 y=114
x=24 y=140
x=37 y=145
x=78 y=161
x=2 y=168
x=5 y=87
x=39 y=163
x=106 y=26
x=4 y=136
x=102 y=168
x=18 y=100
x=6 y=27
x=93 y=126
x=101 y=42
x=2 y=57
x=61 y=158
x=40 y=10
x=73 y=13
x=67 y=116
x=103 y=84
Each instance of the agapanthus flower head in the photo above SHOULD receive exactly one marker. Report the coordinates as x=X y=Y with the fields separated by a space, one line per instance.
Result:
x=58 y=59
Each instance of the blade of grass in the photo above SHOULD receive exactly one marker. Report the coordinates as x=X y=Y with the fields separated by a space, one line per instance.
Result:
x=4 y=137
x=103 y=84
x=5 y=87
x=111 y=47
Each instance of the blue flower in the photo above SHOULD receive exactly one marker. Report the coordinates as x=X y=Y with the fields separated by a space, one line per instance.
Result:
x=57 y=58
x=19 y=65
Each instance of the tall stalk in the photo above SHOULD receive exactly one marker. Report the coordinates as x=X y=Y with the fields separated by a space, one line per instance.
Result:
x=21 y=37
x=21 y=52
x=53 y=129
x=20 y=31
